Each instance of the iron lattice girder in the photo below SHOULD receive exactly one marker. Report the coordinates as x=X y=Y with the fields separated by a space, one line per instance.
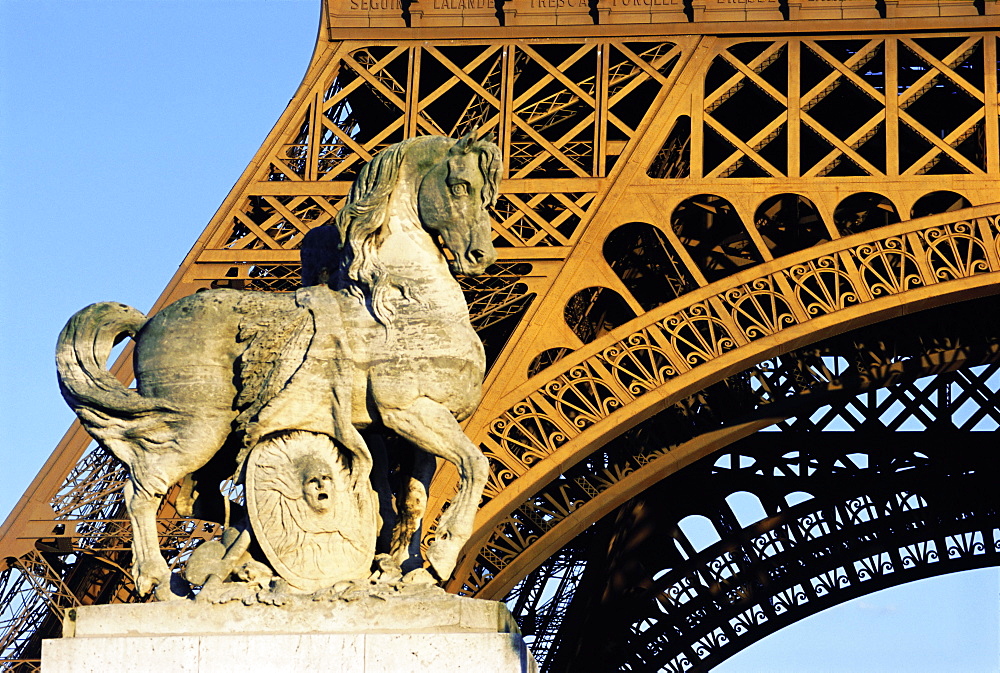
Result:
x=886 y=507
x=749 y=316
x=914 y=507
x=823 y=69
x=829 y=372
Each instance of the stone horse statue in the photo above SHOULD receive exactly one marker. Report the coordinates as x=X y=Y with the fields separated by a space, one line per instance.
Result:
x=379 y=337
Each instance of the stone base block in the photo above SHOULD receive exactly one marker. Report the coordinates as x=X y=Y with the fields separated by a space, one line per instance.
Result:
x=449 y=634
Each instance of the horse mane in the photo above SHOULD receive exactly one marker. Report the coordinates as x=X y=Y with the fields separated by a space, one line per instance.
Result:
x=490 y=165
x=360 y=222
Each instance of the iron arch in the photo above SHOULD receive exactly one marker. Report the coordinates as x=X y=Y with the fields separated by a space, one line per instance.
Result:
x=789 y=223
x=938 y=202
x=614 y=384
x=594 y=311
x=643 y=260
x=715 y=236
x=912 y=511
x=791 y=385
x=864 y=211
x=853 y=513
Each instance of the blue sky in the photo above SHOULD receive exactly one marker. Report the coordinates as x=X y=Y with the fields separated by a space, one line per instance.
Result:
x=123 y=125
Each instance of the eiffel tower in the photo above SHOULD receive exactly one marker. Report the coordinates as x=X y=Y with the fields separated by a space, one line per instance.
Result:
x=728 y=232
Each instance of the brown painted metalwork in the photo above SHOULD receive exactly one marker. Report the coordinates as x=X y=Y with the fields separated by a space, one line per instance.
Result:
x=880 y=472
x=692 y=188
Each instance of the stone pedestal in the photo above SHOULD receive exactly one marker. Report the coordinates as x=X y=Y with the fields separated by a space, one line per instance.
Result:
x=441 y=633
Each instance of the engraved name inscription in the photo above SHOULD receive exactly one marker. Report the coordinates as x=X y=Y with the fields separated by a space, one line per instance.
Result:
x=555 y=4
x=646 y=3
x=463 y=4
x=375 y=5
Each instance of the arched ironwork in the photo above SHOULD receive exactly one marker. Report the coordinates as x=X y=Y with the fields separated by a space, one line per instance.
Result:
x=903 y=510
x=571 y=409
x=852 y=502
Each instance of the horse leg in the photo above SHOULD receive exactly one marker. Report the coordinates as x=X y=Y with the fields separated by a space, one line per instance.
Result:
x=431 y=427
x=183 y=449
x=411 y=503
x=149 y=569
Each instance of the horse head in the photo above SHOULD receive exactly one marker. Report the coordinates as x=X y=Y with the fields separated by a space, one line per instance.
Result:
x=453 y=198
x=451 y=183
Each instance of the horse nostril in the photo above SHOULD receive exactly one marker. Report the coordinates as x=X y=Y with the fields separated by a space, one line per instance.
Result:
x=476 y=256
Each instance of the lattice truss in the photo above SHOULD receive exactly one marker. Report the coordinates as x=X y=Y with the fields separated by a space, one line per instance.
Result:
x=853 y=492
x=560 y=110
x=568 y=401
x=566 y=111
x=845 y=107
x=872 y=358
x=543 y=100
x=84 y=560
x=807 y=108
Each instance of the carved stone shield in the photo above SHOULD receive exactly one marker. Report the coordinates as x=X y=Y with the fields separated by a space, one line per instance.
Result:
x=314 y=524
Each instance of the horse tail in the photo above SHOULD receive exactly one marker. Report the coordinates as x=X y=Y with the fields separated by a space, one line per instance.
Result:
x=114 y=415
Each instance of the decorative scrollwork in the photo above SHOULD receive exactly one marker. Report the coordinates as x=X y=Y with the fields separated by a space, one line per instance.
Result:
x=698 y=335
x=723 y=567
x=905 y=502
x=638 y=363
x=758 y=309
x=508 y=547
x=581 y=397
x=500 y=473
x=527 y=433
x=789 y=599
x=955 y=252
x=992 y=224
x=860 y=510
x=888 y=267
x=918 y=554
x=965 y=544
x=771 y=543
x=822 y=286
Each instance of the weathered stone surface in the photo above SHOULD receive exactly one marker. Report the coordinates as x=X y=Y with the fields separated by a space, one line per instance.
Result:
x=271 y=390
x=333 y=652
x=469 y=636
x=443 y=613
x=316 y=526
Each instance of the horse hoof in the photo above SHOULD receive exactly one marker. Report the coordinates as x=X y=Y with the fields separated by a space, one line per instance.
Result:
x=419 y=576
x=386 y=569
x=144 y=587
x=171 y=588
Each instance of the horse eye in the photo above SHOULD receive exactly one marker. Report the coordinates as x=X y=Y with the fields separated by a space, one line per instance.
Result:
x=460 y=189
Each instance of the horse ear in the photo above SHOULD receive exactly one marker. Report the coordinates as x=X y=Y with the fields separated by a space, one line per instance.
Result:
x=489 y=137
x=464 y=143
